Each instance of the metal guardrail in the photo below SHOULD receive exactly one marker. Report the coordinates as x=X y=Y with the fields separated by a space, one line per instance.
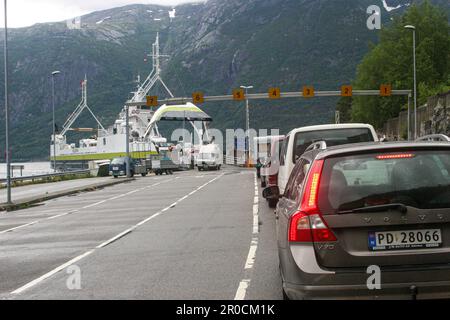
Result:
x=44 y=176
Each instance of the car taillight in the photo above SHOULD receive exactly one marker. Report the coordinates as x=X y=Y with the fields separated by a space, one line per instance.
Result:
x=307 y=225
x=309 y=228
x=395 y=156
x=300 y=230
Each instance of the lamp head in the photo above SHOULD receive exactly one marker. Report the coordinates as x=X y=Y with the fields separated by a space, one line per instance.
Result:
x=410 y=27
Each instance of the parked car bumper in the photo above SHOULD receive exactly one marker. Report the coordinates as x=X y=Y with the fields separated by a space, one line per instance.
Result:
x=303 y=278
x=390 y=291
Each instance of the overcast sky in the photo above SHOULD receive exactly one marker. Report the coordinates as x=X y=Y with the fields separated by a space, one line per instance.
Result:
x=23 y=13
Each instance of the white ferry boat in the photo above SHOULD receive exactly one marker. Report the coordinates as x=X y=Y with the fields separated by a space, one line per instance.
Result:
x=109 y=143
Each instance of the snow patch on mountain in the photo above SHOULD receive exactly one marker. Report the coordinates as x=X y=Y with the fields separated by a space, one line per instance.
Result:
x=389 y=8
x=172 y=13
x=101 y=21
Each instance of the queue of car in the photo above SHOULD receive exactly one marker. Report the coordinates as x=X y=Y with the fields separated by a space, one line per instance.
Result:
x=350 y=206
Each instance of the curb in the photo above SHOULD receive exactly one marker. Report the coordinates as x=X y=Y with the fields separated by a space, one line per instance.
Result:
x=24 y=203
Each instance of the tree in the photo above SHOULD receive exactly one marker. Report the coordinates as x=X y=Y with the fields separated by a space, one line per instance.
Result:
x=391 y=62
x=344 y=106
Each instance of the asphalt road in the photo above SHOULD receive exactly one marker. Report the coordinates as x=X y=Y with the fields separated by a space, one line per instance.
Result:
x=206 y=235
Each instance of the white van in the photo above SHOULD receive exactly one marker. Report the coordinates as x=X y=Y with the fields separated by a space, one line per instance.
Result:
x=209 y=157
x=299 y=139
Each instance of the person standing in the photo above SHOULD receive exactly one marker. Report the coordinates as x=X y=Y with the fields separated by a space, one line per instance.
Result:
x=258 y=168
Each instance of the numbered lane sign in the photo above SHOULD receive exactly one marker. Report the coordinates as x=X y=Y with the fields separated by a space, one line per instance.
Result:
x=385 y=90
x=238 y=94
x=347 y=91
x=198 y=97
x=152 y=101
x=274 y=93
x=308 y=92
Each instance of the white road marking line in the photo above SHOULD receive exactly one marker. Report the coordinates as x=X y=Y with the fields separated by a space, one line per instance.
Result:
x=77 y=210
x=242 y=290
x=80 y=257
x=249 y=263
x=51 y=273
x=131 y=192
x=120 y=235
x=19 y=227
x=94 y=204
x=251 y=254
x=61 y=215
x=255 y=224
x=117 y=197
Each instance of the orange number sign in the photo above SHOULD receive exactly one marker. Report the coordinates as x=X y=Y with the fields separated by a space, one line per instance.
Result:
x=238 y=94
x=274 y=93
x=198 y=97
x=308 y=92
x=152 y=101
x=385 y=90
x=347 y=91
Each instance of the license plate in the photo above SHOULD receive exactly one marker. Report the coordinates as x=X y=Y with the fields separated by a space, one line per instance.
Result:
x=405 y=239
x=115 y=168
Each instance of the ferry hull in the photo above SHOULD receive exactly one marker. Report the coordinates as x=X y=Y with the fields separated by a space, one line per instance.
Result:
x=81 y=161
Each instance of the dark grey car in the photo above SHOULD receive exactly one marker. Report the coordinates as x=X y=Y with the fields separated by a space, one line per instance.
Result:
x=351 y=211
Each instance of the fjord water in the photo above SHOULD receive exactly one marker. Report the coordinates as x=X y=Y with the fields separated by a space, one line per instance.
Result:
x=30 y=168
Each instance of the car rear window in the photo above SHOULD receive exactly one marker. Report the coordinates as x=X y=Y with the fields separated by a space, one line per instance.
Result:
x=419 y=179
x=118 y=161
x=333 y=137
x=206 y=156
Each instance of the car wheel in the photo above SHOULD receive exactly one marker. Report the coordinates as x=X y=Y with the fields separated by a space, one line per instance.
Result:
x=115 y=177
x=143 y=174
x=285 y=296
x=273 y=203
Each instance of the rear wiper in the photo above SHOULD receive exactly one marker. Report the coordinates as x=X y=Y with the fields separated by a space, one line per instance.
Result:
x=398 y=206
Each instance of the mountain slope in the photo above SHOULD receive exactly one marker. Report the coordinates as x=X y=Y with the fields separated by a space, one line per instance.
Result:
x=213 y=47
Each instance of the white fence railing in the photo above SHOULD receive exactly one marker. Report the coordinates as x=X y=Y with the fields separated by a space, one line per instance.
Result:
x=45 y=176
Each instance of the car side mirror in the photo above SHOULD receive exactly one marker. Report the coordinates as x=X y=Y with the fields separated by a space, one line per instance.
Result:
x=271 y=192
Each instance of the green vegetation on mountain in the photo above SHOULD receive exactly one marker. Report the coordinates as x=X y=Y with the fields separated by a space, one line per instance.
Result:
x=391 y=61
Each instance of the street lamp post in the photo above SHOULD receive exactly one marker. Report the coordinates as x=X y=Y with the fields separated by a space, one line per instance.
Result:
x=7 y=151
x=413 y=28
x=247 y=124
x=127 y=146
x=54 y=74
x=409 y=117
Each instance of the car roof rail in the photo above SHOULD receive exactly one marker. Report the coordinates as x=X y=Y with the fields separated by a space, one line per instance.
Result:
x=318 y=145
x=434 y=137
